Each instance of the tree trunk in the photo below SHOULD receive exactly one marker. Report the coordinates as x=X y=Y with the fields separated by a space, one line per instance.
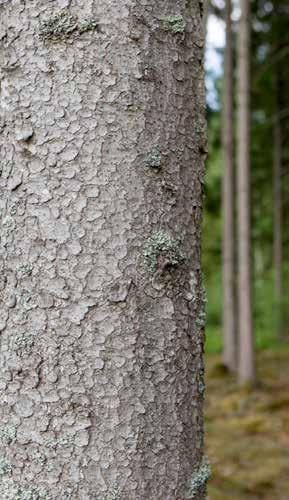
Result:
x=206 y=7
x=102 y=153
x=277 y=183
x=229 y=307
x=246 y=350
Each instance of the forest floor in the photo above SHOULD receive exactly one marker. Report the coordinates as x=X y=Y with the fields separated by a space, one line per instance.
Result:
x=247 y=430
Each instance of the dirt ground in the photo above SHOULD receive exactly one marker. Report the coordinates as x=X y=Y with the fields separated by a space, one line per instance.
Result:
x=248 y=431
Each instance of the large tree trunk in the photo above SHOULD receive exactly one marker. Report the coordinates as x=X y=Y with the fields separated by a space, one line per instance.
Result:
x=102 y=149
x=246 y=350
x=277 y=183
x=229 y=307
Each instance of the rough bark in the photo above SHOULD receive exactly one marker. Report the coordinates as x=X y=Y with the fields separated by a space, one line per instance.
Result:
x=206 y=7
x=245 y=330
x=277 y=183
x=102 y=149
x=229 y=307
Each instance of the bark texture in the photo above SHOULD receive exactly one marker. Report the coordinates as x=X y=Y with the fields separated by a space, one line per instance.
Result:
x=102 y=148
x=229 y=306
x=246 y=350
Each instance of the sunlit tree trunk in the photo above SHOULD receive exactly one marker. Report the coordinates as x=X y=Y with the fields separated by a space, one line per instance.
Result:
x=102 y=158
x=229 y=307
x=246 y=349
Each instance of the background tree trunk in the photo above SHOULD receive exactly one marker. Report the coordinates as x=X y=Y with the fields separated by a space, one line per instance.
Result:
x=229 y=306
x=277 y=182
x=246 y=350
x=102 y=148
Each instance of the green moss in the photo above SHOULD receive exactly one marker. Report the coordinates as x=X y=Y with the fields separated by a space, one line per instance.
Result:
x=175 y=24
x=162 y=249
x=63 y=25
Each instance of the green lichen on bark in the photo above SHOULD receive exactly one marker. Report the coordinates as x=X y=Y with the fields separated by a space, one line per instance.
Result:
x=5 y=467
x=87 y=24
x=200 y=479
x=24 y=342
x=162 y=250
x=113 y=494
x=201 y=319
x=175 y=24
x=154 y=159
x=62 y=25
x=9 y=490
x=7 y=434
x=25 y=269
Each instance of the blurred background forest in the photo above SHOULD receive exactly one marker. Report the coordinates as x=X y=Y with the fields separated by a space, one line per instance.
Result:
x=247 y=418
x=269 y=62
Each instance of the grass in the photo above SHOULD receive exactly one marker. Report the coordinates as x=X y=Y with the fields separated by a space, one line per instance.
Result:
x=248 y=430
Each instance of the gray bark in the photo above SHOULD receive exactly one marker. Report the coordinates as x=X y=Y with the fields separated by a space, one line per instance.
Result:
x=245 y=330
x=206 y=6
x=102 y=153
x=229 y=306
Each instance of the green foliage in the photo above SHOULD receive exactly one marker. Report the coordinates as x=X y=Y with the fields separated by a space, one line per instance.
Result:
x=175 y=24
x=161 y=249
x=270 y=88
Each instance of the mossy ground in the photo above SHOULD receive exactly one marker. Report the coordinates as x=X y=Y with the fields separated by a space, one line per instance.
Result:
x=248 y=430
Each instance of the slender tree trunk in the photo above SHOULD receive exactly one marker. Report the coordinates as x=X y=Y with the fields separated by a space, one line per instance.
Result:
x=102 y=155
x=246 y=349
x=229 y=307
x=277 y=183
